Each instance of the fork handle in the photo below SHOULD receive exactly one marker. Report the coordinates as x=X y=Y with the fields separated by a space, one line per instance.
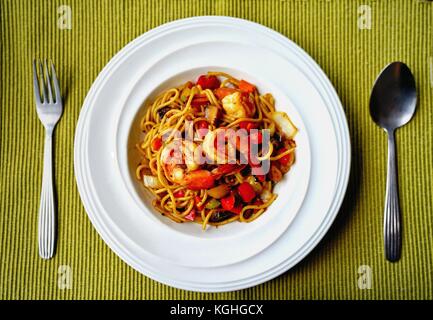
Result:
x=47 y=209
x=392 y=223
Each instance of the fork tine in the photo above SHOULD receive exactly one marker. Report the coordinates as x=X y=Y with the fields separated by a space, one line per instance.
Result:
x=48 y=82
x=44 y=86
x=56 y=83
x=36 y=89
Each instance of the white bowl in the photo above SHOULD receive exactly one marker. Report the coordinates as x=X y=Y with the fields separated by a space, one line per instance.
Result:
x=291 y=190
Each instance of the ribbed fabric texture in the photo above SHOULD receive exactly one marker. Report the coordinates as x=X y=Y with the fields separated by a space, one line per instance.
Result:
x=329 y=32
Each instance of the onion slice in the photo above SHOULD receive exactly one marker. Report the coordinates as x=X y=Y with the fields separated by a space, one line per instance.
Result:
x=151 y=182
x=284 y=124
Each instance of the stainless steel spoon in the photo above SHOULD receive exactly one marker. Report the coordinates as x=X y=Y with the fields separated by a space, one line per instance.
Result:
x=392 y=105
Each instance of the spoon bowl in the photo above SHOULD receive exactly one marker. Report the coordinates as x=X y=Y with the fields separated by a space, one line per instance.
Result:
x=393 y=99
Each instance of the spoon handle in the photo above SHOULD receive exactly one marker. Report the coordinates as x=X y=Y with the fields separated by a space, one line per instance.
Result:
x=392 y=223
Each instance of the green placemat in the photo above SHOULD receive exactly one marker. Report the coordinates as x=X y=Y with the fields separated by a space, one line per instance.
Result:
x=351 y=40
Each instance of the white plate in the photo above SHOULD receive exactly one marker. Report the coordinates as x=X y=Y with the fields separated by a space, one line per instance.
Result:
x=239 y=255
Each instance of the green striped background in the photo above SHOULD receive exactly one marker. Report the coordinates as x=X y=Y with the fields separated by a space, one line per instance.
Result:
x=400 y=30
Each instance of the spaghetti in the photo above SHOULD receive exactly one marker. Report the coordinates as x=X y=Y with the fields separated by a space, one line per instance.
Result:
x=213 y=151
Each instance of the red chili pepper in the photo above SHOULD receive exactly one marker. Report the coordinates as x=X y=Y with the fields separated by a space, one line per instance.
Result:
x=246 y=86
x=285 y=160
x=228 y=203
x=256 y=137
x=199 y=100
x=156 y=144
x=248 y=125
x=202 y=124
x=197 y=201
x=246 y=192
x=208 y=82
x=191 y=215
x=179 y=194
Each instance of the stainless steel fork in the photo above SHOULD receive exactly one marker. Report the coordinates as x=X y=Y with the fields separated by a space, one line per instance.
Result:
x=49 y=108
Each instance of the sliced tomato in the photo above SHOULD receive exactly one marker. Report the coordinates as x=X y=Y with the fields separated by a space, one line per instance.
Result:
x=156 y=144
x=246 y=191
x=228 y=203
x=208 y=82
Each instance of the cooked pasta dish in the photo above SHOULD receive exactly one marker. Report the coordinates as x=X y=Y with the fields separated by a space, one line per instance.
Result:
x=213 y=150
